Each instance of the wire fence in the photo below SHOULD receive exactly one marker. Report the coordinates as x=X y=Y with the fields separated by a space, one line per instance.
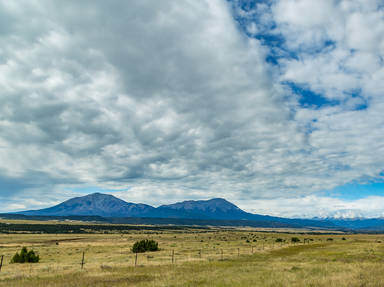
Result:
x=84 y=259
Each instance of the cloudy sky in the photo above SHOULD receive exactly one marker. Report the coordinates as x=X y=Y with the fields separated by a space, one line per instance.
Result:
x=274 y=105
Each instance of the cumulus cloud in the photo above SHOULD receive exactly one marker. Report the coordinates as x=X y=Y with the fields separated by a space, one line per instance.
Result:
x=317 y=206
x=176 y=99
x=339 y=55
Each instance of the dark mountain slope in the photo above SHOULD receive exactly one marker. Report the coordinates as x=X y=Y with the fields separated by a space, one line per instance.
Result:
x=216 y=208
x=95 y=204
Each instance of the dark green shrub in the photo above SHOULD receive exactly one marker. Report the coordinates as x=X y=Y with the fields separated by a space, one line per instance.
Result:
x=279 y=240
x=329 y=239
x=145 y=245
x=343 y=238
x=25 y=256
x=295 y=239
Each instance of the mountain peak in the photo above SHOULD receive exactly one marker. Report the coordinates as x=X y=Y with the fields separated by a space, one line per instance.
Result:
x=95 y=204
x=215 y=207
x=98 y=195
x=219 y=200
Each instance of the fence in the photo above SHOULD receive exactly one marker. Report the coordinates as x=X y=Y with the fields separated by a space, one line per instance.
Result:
x=163 y=257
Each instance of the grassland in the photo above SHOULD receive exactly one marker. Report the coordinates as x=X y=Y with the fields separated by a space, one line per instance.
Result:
x=212 y=257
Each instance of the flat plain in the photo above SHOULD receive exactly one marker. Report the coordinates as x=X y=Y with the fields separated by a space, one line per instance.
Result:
x=196 y=257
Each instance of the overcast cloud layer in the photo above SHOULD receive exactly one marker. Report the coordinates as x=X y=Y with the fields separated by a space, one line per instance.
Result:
x=171 y=100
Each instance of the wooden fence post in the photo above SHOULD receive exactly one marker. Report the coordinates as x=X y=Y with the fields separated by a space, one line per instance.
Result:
x=252 y=250
x=82 y=261
x=136 y=259
x=238 y=252
x=1 y=262
x=173 y=256
x=221 y=254
x=200 y=253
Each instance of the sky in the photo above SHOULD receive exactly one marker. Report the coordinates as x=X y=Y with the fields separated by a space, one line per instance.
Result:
x=276 y=106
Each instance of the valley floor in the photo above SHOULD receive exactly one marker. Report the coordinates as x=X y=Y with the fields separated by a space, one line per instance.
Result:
x=200 y=258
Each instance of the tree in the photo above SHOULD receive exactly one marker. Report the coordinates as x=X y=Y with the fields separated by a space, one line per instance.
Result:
x=295 y=239
x=25 y=256
x=145 y=245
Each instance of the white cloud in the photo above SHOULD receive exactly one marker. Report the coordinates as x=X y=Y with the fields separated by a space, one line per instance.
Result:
x=170 y=100
x=154 y=92
x=339 y=56
x=317 y=206
x=355 y=32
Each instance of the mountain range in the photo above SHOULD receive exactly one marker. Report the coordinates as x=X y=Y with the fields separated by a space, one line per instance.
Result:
x=192 y=212
x=216 y=211
x=98 y=204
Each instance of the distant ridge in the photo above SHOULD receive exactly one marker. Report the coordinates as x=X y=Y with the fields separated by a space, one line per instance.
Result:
x=106 y=205
x=216 y=212
x=216 y=209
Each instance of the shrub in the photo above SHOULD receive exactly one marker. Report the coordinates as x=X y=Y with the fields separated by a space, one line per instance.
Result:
x=25 y=256
x=279 y=240
x=145 y=245
x=295 y=239
x=343 y=238
x=329 y=239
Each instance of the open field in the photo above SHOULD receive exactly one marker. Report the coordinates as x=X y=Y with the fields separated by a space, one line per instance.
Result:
x=201 y=257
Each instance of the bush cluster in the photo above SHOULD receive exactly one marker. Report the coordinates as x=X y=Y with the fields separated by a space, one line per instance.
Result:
x=25 y=256
x=295 y=239
x=145 y=245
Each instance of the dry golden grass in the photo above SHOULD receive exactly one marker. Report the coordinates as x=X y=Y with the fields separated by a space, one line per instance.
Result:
x=357 y=261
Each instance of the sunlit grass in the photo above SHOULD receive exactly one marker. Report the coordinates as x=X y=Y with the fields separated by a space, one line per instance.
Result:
x=214 y=258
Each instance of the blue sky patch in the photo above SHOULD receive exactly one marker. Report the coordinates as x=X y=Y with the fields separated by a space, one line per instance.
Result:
x=308 y=98
x=355 y=191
